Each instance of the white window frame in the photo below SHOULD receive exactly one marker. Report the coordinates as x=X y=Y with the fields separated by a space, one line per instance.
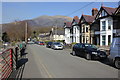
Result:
x=102 y=25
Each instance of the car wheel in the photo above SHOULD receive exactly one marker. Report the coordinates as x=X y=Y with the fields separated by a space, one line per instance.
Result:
x=117 y=63
x=88 y=56
x=73 y=53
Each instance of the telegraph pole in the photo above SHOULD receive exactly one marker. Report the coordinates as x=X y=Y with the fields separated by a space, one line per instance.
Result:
x=26 y=30
x=56 y=30
x=52 y=33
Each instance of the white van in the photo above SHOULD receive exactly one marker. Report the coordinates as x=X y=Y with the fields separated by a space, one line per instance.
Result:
x=114 y=56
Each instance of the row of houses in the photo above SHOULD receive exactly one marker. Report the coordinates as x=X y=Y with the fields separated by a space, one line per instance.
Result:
x=98 y=28
x=53 y=35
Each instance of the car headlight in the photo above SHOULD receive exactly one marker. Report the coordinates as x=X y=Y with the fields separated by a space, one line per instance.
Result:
x=94 y=53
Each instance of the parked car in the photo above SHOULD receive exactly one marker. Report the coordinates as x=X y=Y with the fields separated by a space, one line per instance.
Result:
x=41 y=43
x=88 y=51
x=56 y=45
x=6 y=44
x=30 y=42
x=49 y=44
x=114 y=56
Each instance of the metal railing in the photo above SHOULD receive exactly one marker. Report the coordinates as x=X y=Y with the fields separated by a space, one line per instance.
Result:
x=6 y=63
x=9 y=61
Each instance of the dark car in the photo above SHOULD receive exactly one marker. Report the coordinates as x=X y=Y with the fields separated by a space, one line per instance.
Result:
x=49 y=44
x=36 y=42
x=88 y=51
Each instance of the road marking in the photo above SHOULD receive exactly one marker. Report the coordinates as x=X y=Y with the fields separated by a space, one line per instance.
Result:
x=46 y=70
x=44 y=67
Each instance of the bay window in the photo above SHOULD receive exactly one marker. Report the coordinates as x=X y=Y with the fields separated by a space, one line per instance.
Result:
x=103 y=39
x=109 y=24
x=103 y=25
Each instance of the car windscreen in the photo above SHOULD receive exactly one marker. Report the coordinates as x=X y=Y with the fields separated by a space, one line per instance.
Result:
x=49 y=42
x=91 y=46
x=57 y=44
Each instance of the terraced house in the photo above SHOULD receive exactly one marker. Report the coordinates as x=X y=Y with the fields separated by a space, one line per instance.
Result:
x=98 y=28
x=75 y=30
x=105 y=26
x=67 y=27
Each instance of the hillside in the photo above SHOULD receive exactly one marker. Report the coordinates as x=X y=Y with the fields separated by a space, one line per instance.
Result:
x=47 y=21
x=38 y=23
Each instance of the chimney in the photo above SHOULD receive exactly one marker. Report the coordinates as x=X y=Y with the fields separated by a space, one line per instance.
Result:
x=94 y=11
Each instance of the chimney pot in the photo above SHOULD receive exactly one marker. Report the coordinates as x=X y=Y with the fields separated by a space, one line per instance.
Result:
x=94 y=11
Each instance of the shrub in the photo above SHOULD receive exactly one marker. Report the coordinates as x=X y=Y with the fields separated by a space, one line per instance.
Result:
x=73 y=43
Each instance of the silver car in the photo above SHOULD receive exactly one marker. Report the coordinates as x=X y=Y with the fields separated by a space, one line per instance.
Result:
x=56 y=45
x=114 y=56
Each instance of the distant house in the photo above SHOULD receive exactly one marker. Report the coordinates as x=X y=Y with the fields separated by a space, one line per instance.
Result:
x=75 y=30
x=104 y=27
x=58 y=35
x=44 y=36
x=67 y=27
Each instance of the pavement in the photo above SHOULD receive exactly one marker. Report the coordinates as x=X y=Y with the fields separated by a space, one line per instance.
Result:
x=47 y=63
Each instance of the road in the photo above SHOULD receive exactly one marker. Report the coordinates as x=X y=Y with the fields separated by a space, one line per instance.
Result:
x=47 y=63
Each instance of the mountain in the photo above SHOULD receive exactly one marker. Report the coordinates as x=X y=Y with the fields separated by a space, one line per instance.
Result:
x=47 y=21
x=39 y=22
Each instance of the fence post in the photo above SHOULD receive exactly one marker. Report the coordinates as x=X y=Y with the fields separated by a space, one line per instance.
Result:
x=16 y=56
x=11 y=59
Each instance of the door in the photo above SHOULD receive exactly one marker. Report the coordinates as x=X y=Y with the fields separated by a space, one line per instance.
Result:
x=80 y=49
x=83 y=50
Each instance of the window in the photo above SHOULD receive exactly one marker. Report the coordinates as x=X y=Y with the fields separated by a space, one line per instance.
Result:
x=76 y=45
x=83 y=39
x=86 y=29
x=109 y=24
x=103 y=13
x=109 y=39
x=86 y=40
x=83 y=29
x=103 y=40
x=103 y=25
x=80 y=45
x=75 y=30
x=75 y=39
x=78 y=28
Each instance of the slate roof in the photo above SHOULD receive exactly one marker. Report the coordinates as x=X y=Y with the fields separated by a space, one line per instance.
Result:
x=109 y=10
x=88 y=18
x=117 y=10
x=76 y=19
x=43 y=36
x=59 y=32
x=68 y=24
